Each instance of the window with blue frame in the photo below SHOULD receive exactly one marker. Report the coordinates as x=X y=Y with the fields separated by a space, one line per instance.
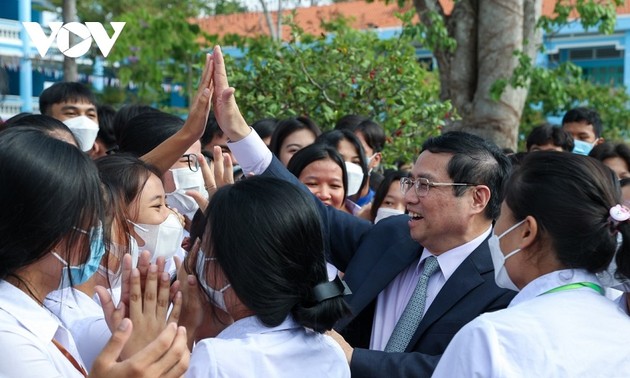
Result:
x=601 y=65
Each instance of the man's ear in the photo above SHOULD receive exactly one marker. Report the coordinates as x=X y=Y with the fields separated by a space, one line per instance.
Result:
x=480 y=196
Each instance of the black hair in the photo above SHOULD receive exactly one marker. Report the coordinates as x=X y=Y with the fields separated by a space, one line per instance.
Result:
x=148 y=130
x=64 y=92
x=550 y=134
x=124 y=114
x=475 y=161
x=106 y=114
x=584 y=115
x=609 y=150
x=265 y=127
x=333 y=137
x=383 y=188
x=373 y=133
x=274 y=266
x=287 y=127
x=49 y=190
x=570 y=197
x=49 y=125
x=315 y=152
x=212 y=129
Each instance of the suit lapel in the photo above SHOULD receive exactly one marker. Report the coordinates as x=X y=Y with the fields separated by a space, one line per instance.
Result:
x=367 y=284
x=465 y=278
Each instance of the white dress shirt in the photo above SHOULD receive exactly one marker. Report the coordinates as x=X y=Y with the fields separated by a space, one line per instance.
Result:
x=252 y=154
x=391 y=302
x=568 y=333
x=84 y=318
x=248 y=348
x=26 y=333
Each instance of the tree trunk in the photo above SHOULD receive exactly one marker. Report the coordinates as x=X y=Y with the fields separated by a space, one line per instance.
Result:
x=487 y=32
x=272 y=30
x=69 y=14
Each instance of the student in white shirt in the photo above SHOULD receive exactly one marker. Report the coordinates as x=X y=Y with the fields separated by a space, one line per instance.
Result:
x=51 y=236
x=261 y=260
x=558 y=227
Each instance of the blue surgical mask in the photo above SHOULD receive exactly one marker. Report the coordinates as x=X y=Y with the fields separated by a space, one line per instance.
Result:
x=582 y=148
x=76 y=275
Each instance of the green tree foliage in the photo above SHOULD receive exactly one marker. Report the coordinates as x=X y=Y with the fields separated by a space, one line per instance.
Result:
x=345 y=72
x=555 y=91
x=157 y=46
x=228 y=7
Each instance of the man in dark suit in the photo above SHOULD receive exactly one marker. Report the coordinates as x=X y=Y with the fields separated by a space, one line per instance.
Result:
x=452 y=198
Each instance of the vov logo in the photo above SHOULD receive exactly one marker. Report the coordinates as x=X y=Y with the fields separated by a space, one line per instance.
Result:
x=62 y=32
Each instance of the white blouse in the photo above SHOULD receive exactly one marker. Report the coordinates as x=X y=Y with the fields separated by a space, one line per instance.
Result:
x=567 y=333
x=26 y=333
x=248 y=348
x=84 y=318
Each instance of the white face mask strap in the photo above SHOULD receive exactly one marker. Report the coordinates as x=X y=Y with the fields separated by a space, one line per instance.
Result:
x=514 y=252
x=137 y=225
x=510 y=229
x=64 y=262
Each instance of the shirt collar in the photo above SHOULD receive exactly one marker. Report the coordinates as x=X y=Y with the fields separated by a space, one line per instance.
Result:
x=553 y=280
x=252 y=325
x=450 y=260
x=33 y=317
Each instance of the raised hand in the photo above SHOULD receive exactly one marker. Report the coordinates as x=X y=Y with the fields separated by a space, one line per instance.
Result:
x=168 y=152
x=226 y=111
x=148 y=308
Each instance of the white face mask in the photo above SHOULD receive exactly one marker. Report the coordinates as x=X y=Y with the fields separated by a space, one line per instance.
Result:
x=501 y=276
x=185 y=180
x=84 y=129
x=386 y=212
x=355 y=178
x=162 y=239
x=217 y=296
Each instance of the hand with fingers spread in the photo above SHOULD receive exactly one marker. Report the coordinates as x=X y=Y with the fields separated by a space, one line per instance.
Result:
x=226 y=111
x=166 y=356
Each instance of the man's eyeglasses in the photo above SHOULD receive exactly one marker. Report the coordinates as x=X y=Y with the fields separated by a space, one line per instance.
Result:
x=193 y=161
x=422 y=185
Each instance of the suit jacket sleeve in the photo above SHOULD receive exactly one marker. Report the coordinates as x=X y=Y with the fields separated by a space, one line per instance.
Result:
x=342 y=231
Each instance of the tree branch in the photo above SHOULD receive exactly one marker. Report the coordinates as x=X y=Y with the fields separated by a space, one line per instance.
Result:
x=310 y=78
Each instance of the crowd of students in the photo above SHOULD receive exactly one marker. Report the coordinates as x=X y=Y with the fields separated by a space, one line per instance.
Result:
x=134 y=243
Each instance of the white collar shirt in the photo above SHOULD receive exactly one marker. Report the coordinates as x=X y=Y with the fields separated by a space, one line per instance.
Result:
x=391 y=302
x=573 y=332
x=83 y=316
x=26 y=333
x=248 y=348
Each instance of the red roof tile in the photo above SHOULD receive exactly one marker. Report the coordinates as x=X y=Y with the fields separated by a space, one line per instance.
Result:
x=365 y=15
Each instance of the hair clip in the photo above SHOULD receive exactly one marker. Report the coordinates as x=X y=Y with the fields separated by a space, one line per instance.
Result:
x=331 y=289
x=619 y=213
